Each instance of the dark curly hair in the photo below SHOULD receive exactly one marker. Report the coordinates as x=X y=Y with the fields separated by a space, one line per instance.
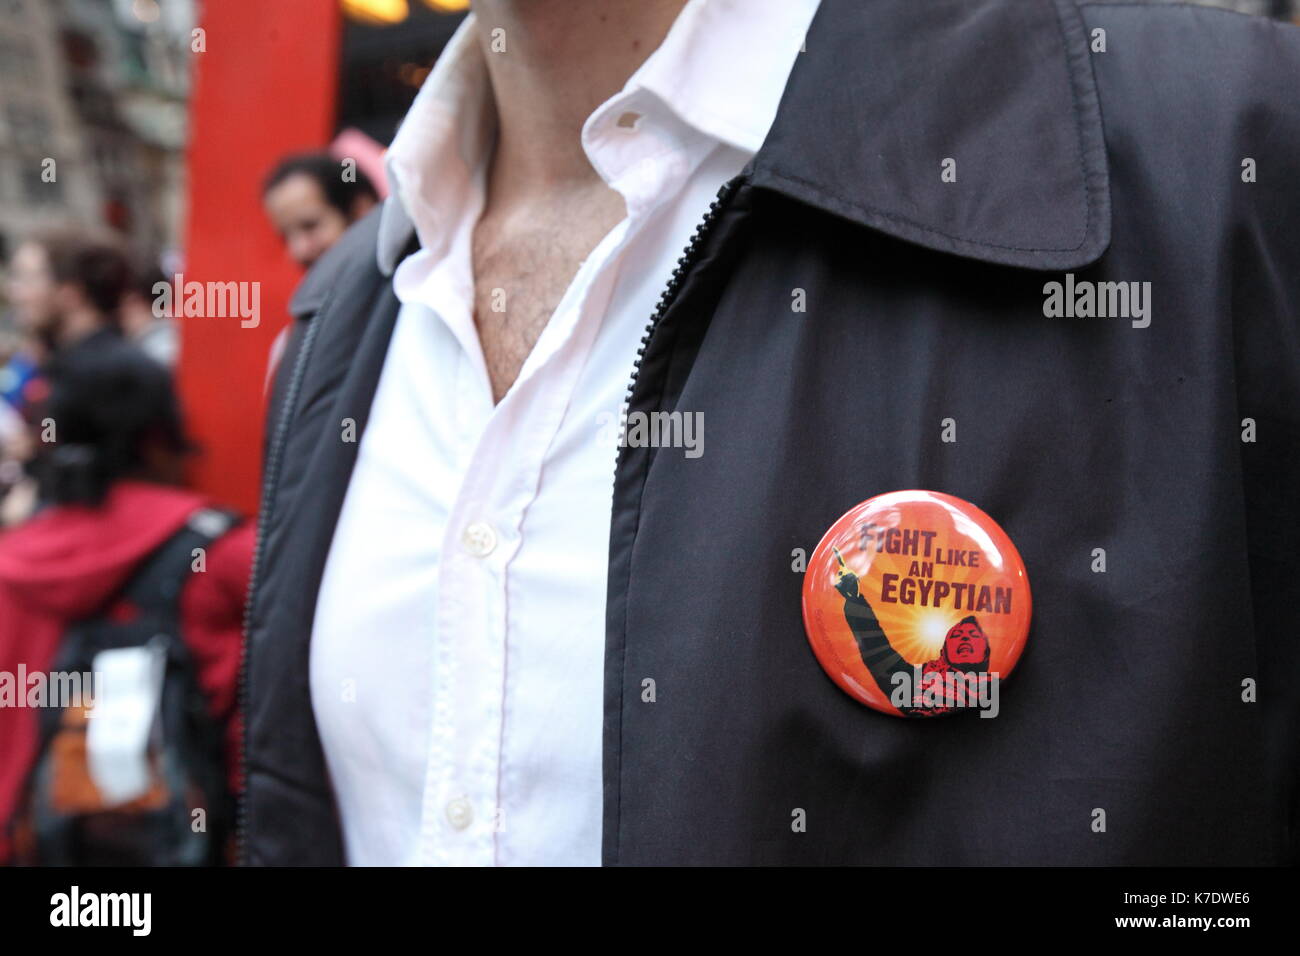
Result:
x=324 y=170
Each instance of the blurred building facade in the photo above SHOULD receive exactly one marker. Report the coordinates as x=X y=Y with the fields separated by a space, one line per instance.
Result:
x=100 y=87
x=37 y=122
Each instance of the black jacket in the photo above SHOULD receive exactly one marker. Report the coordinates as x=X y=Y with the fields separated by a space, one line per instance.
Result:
x=925 y=301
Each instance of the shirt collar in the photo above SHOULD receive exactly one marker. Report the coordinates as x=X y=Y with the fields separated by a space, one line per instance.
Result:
x=720 y=70
x=724 y=64
x=434 y=156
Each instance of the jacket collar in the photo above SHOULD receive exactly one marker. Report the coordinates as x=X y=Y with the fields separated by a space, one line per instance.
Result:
x=887 y=90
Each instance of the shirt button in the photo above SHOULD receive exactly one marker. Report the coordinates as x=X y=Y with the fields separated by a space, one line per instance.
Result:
x=479 y=539
x=460 y=813
x=629 y=120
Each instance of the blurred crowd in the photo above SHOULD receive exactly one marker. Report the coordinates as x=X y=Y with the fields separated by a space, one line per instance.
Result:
x=101 y=544
x=72 y=293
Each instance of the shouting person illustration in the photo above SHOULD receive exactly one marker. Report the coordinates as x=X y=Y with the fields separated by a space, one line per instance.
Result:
x=958 y=677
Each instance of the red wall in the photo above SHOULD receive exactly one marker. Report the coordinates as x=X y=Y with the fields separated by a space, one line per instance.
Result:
x=264 y=87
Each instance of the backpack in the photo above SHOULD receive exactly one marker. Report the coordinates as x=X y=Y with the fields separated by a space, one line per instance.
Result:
x=66 y=820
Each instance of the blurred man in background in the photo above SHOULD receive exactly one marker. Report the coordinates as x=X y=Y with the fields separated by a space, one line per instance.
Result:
x=311 y=199
x=67 y=289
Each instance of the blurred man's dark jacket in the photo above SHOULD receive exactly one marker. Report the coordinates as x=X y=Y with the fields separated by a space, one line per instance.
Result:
x=925 y=301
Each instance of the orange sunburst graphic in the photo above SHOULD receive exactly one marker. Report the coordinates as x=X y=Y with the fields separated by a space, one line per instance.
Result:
x=922 y=567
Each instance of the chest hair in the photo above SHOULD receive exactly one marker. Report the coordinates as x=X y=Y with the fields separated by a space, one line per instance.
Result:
x=524 y=260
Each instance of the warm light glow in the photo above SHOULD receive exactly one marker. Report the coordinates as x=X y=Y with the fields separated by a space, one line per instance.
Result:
x=412 y=74
x=448 y=6
x=931 y=628
x=378 y=12
x=920 y=637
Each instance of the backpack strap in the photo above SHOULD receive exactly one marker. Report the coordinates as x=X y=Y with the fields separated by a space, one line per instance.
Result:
x=155 y=587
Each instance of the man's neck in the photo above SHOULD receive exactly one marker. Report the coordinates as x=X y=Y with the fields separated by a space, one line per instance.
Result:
x=551 y=63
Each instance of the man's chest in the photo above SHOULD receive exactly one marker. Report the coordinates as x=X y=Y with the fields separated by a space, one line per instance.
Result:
x=524 y=260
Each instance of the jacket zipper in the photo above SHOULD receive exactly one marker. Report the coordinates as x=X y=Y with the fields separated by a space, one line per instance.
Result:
x=274 y=455
x=667 y=298
x=269 y=484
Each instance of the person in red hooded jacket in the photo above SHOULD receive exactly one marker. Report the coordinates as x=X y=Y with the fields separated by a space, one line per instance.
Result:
x=109 y=496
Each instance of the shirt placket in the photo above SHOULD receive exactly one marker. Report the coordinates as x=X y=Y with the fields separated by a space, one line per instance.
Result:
x=505 y=458
x=504 y=451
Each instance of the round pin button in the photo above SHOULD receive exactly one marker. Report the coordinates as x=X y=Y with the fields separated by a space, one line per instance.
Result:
x=917 y=604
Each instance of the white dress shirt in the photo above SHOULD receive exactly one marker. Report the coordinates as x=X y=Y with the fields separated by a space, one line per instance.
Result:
x=457 y=656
